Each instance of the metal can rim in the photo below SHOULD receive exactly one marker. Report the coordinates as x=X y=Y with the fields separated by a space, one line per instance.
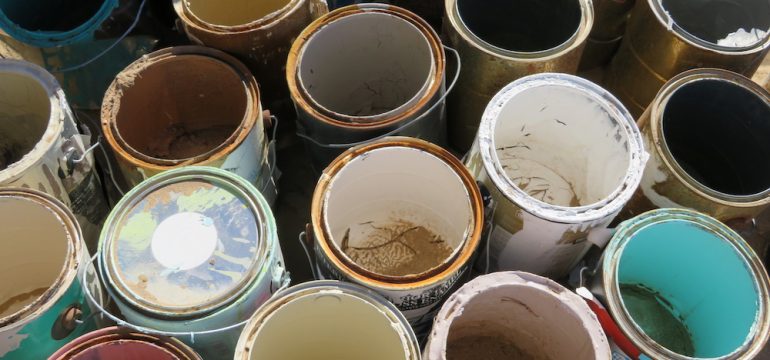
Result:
x=114 y=334
x=190 y=19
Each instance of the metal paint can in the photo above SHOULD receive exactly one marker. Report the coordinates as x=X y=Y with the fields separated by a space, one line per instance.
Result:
x=42 y=305
x=681 y=285
x=561 y=157
x=500 y=41
x=188 y=105
x=259 y=33
x=516 y=315
x=43 y=148
x=327 y=320
x=117 y=343
x=607 y=32
x=665 y=38
x=386 y=77
x=400 y=216
x=706 y=134
x=231 y=263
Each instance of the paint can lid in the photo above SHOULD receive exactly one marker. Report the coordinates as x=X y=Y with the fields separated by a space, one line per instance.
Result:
x=184 y=245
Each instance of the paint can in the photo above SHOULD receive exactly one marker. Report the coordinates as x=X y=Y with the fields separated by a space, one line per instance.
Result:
x=681 y=285
x=328 y=320
x=259 y=33
x=42 y=305
x=607 y=32
x=400 y=216
x=500 y=41
x=232 y=261
x=516 y=315
x=117 y=343
x=385 y=78
x=705 y=132
x=561 y=157
x=188 y=105
x=43 y=148
x=665 y=38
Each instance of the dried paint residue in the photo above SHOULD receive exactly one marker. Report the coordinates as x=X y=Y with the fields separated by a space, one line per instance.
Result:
x=178 y=142
x=488 y=347
x=397 y=248
x=537 y=180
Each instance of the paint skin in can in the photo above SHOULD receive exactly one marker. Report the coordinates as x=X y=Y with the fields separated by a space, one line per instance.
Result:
x=327 y=320
x=560 y=157
x=116 y=343
x=387 y=73
x=188 y=105
x=232 y=261
x=43 y=148
x=516 y=315
x=500 y=41
x=665 y=38
x=381 y=212
x=704 y=296
x=43 y=260
x=706 y=134
x=259 y=33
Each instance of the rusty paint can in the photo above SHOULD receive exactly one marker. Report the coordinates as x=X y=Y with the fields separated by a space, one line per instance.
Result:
x=500 y=41
x=42 y=305
x=117 y=343
x=607 y=32
x=706 y=133
x=188 y=105
x=328 y=320
x=231 y=263
x=259 y=33
x=561 y=157
x=516 y=315
x=665 y=38
x=400 y=216
x=681 y=285
x=386 y=78
x=43 y=148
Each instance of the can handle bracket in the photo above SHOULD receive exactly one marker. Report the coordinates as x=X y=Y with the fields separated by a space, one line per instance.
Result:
x=67 y=321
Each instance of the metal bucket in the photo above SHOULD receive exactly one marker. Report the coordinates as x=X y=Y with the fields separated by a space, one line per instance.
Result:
x=116 y=343
x=560 y=157
x=665 y=38
x=681 y=285
x=188 y=105
x=500 y=41
x=706 y=132
x=400 y=216
x=43 y=148
x=327 y=320
x=607 y=32
x=516 y=315
x=42 y=305
x=387 y=75
x=231 y=263
x=259 y=33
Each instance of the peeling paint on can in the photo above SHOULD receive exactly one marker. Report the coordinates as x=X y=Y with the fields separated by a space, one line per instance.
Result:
x=41 y=295
x=232 y=261
x=516 y=315
x=328 y=320
x=372 y=196
x=500 y=41
x=389 y=72
x=117 y=343
x=560 y=157
x=704 y=297
x=188 y=105
x=43 y=148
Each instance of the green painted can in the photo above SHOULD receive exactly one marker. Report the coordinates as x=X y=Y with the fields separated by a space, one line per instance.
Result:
x=681 y=285
x=42 y=262
x=192 y=252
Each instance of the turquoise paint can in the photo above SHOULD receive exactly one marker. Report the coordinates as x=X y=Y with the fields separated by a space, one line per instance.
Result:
x=42 y=305
x=191 y=253
x=682 y=285
x=46 y=23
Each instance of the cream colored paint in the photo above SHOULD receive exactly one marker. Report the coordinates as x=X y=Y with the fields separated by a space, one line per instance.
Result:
x=329 y=325
x=233 y=12
x=36 y=248
x=25 y=110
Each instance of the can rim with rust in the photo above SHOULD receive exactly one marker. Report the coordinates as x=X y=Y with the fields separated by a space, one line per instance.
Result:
x=114 y=337
x=263 y=21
